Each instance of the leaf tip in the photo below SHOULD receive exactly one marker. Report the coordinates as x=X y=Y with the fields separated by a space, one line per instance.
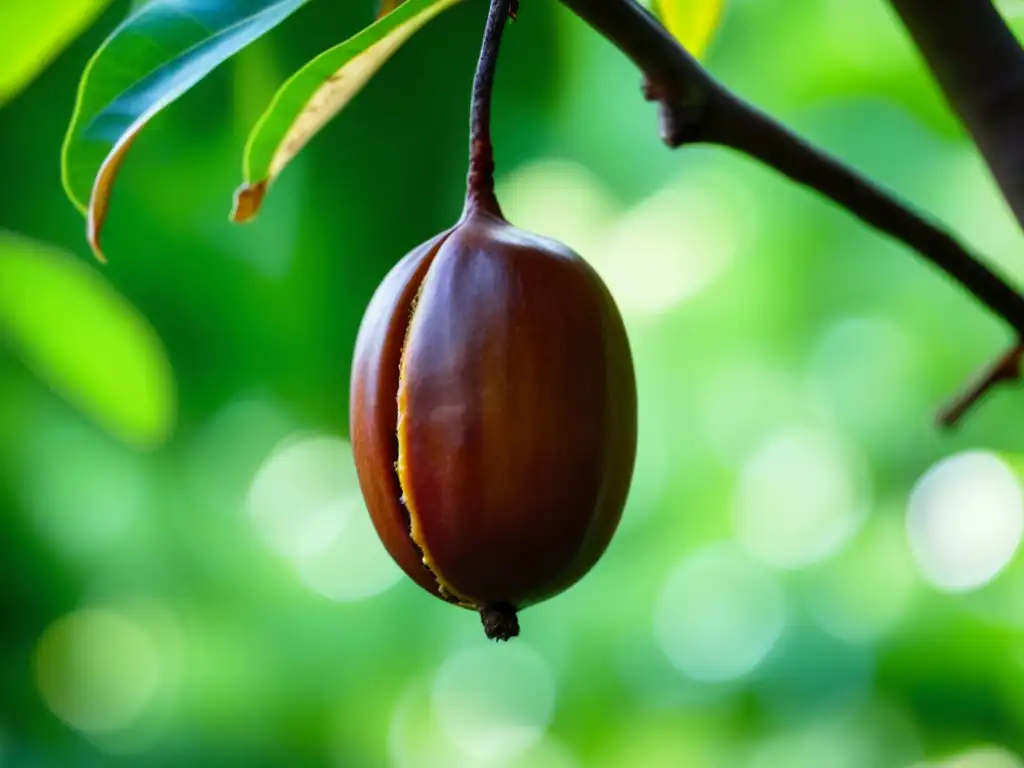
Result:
x=92 y=234
x=247 y=201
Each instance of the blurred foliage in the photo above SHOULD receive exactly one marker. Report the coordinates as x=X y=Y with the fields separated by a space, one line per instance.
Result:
x=32 y=33
x=692 y=22
x=81 y=338
x=808 y=573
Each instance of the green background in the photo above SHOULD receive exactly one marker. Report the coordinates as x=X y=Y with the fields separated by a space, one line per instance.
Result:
x=809 y=573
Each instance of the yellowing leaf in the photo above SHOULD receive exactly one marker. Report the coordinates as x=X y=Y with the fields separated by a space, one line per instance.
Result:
x=33 y=32
x=85 y=341
x=691 y=22
x=317 y=92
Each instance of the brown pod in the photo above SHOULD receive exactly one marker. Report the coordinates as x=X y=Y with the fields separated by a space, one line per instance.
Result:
x=493 y=411
x=493 y=415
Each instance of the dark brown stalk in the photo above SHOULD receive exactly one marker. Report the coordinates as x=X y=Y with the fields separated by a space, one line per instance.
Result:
x=1005 y=369
x=480 y=184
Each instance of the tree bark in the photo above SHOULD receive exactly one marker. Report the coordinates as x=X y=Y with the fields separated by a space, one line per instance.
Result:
x=979 y=66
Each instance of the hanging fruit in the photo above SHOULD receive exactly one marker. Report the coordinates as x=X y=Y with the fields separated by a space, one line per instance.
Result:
x=493 y=403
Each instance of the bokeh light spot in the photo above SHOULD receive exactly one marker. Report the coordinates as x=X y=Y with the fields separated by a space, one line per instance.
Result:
x=414 y=738
x=494 y=701
x=840 y=734
x=232 y=445
x=719 y=615
x=547 y=753
x=306 y=504
x=354 y=565
x=658 y=450
x=867 y=368
x=801 y=495
x=292 y=500
x=812 y=749
x=561 y=200
x=666 y=249
x=98 y=670
x=979 y=757
x=85 y=492
x=965 y=520
x=669 y=248
x=866 y=590
x=746 y=399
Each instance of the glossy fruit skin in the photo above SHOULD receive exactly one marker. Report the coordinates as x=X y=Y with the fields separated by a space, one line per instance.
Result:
x=493 y=414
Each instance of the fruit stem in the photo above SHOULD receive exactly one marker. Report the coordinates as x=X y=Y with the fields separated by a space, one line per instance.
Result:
x=480 y=183
x=500 y=621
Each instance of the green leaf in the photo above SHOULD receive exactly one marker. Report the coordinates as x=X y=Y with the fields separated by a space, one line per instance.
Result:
x=85 y=340
x=33 y=33
x=317 y=92
x=158 y=53
x=691 y=22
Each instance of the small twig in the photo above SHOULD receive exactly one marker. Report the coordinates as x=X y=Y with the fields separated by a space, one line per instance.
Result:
x=1006 y=369
x=694 y=107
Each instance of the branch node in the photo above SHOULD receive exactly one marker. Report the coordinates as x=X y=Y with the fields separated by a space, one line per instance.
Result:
x=1006 y=369
x=679 y=123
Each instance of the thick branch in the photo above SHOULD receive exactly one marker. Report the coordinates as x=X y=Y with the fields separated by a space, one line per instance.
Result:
x=979 y=66
x=696 y=107
x=644 y=40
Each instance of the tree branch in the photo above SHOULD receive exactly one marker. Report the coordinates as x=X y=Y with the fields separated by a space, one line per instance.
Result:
x=740 y=126
x=694 y=107
x=979 y=65
x=1005 y=369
